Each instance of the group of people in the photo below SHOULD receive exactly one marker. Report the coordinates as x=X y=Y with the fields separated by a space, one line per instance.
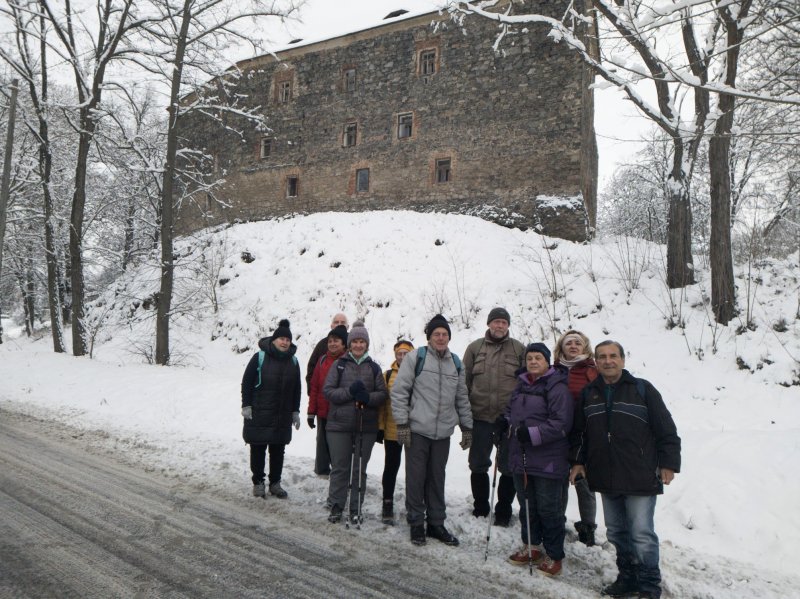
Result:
x=574 y=416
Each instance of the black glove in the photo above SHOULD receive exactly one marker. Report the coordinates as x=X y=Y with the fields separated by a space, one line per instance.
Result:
x=356 y=387
x=379 y=438
x=523 y=436
x=362 y=397
x=500 y=429
x=310 y=421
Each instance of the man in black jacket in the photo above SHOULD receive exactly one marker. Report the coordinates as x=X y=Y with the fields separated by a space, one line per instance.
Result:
x=625 y=443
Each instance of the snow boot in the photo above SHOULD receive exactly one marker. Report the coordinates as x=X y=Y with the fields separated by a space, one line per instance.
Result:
x=621 y=587
x=520 y=557
x=336 y=514
x=439 y=532
x=277 y=490
x=550 y=567
x=387 y=512
x=418 y=534
x=586 y=533
x=259 y=490
x=480 y=494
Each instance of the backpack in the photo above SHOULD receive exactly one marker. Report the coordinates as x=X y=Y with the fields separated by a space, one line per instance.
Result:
x=261 y=355
x=422 y=352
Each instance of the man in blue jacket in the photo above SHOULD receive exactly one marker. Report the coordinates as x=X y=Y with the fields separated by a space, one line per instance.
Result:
x=625 y=443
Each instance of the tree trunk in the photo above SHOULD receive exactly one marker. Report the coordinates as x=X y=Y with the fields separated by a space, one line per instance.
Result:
x=680 y=265
x=6 y=181
x=167 y=218
x=79 y=347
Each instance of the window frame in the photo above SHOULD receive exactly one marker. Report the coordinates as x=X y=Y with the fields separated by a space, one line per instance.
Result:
x=284 y=91
x=349 y=83
x=443 y=165
x=424 y=63
x=350 y=127
x=292 y=184
x=402 y=124
x=266 y=142
x=358 y=180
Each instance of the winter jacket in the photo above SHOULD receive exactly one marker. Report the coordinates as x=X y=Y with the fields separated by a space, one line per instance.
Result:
x=385 y=418
x=343 y=415
x=580 y=375
x=622 y=438
x=436 y=400
x=545 y=408
x=275 y=399
x=490 y=367
x=320 y=349
x=317 y=404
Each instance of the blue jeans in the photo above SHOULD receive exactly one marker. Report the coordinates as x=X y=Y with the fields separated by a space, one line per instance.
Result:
x=543 y=496
x=630 y=528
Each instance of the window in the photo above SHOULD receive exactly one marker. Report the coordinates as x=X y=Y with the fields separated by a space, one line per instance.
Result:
x=350 y=135
x=443 y=172
x=427 y=62
x=284 y=91
x=266 y=147
x=350 y=80
x=404 y=123
x=292 y=182
x=362 y=179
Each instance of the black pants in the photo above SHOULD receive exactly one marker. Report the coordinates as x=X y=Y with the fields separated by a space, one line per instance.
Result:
x=258 y=456
x=391 y=466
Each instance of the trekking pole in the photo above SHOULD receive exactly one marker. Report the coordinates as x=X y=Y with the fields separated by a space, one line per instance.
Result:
x=491 y=503
x=527 y=513
x=360 y=455
x=350 y=479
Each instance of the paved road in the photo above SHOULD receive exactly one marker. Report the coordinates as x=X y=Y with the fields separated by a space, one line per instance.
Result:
x=77 y=523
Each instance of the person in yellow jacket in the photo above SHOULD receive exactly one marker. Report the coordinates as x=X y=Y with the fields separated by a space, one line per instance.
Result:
x=388 y=435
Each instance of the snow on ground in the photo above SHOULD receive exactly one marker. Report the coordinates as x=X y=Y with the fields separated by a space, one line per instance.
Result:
x=725 y=523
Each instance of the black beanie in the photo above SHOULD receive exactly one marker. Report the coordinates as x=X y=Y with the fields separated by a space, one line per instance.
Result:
x=282 y=330
x=435 y=323
x=499 y=313
x=539 y=348
x=339 y=331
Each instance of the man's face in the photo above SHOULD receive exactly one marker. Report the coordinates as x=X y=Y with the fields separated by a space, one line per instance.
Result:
x=335 y=345
x=536 y=363
x=339 y=319
x=400 y=354
x=609 y=363
x=439 y=339
x=358 y=347
x=498 y=328
x=282 y=343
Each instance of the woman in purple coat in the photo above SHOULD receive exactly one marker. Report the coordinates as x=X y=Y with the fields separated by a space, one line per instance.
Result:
x=539 y=417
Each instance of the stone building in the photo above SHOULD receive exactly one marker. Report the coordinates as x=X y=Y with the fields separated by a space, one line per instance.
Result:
x=417 y=112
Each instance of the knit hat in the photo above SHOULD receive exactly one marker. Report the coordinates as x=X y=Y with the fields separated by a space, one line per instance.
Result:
x=282 y=330
x=435 y=323
x=339 y=331
x=359 y=331
x=403 y=344
x=539 y=348
x=499 y=313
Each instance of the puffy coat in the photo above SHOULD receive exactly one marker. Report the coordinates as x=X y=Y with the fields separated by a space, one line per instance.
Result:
x=436 y=400
x=491 y=367
x=581 y=375
x=317 y=404
x=385 y=418
x=622 y=437
x=343 y=414
x=319 y=350
x=275 y=399
x=545 y=408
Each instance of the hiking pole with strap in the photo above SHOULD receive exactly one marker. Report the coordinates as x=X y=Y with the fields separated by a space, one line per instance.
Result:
x=527 y=503
x=491 y=503
x=360 y=456
x=350 y=480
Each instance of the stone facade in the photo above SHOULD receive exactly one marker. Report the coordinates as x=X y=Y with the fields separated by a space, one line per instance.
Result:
x=416 y=113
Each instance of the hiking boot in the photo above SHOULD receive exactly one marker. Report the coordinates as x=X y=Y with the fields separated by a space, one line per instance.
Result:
x=480 y=513
x=586 y=533
x=439 y=532
x=647 y=595
x=355 y=519
x=259 y=490
x=277 y=490
x=502 y=520
x=418 y=534
x=621 y=587
x=550 y=567
x=335 y=515
x=520 y=558
x=387 y=512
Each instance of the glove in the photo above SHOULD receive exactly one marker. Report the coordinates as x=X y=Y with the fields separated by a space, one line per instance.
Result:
x=356 y=387
x=404 y=435
x=379 y=438
x=310 y=421
x=362 y=397
x=523 y=435
x=247 y=412
x=500 y=428
x=296 y=420
x=466 y=438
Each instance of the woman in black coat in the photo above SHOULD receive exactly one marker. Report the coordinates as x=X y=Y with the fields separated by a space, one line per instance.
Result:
x=270 y=406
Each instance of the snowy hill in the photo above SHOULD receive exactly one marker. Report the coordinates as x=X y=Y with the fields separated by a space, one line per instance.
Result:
x=733 y=391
